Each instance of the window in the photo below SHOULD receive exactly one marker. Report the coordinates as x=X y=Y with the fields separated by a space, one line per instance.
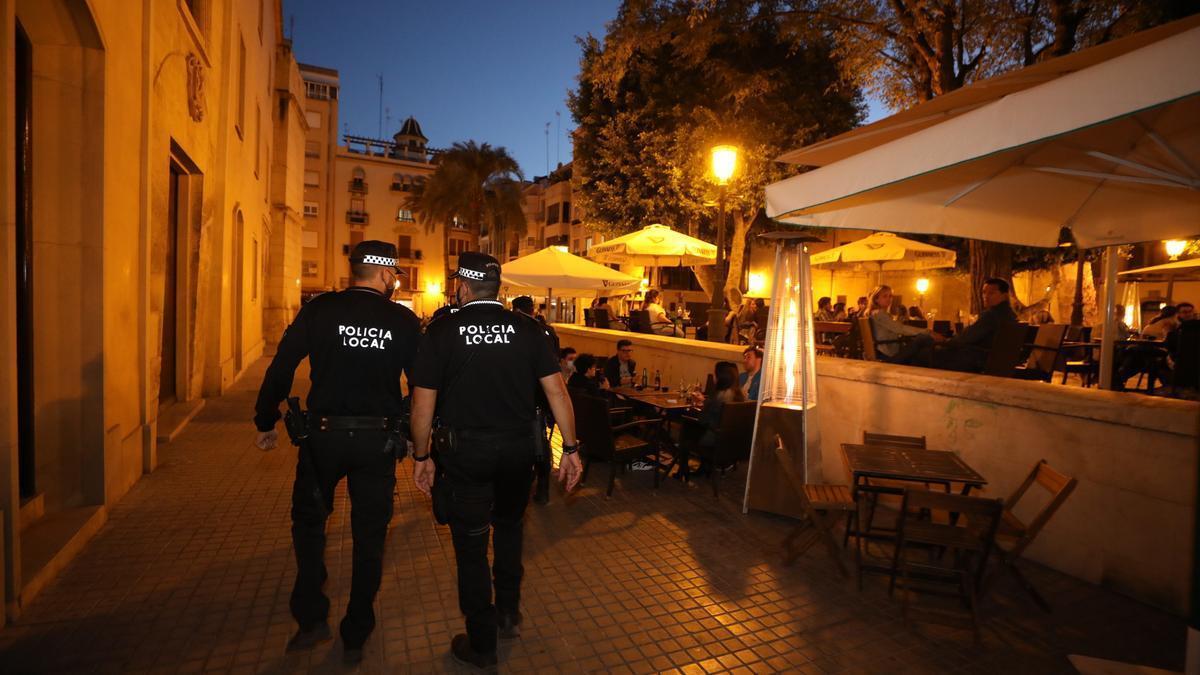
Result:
x=409 y=281
x=587 y=244
x=314 y=119
x=312 y=149
x=258 y=139
x=312 y=179
x=405 y=216
x=310 y=239
x=566 y=212
x=308 y=268
x=404 y=246
x=358 y=205
x=457 y=246
x=320 y=91
x=552 y=214
x=240 y=120
x=254 y=266
x=311 y=209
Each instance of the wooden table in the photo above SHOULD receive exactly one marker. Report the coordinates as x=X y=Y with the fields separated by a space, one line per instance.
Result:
x=663 y=401
x=909 y=465
x=899 y=464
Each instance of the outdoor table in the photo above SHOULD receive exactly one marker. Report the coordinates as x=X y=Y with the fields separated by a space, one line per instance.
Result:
x=903 y=464
x=666 y=404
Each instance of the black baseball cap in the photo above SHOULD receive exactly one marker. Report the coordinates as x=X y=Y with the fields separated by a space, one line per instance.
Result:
x=476 y=266
x=375 y=252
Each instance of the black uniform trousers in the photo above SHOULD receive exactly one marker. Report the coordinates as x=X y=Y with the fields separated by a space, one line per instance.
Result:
x=489 y=479
x=371 y=478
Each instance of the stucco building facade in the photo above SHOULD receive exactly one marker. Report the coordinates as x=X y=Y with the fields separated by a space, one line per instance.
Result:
x=150 y=212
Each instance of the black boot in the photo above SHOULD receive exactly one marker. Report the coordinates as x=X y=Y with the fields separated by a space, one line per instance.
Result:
x=460 y=649
x=307 y=638
x=510 y=626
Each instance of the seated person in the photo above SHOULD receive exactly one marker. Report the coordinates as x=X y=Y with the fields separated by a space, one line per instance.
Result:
x=968 y=351
x=1123 y=329
x=566 y=361
x=896 y=342
x=825 y=310
x=1148 y=358
x=915 y=314
x=584 y=378
x=839 y=311
x=660 y=323
x=859 y=309
x=751 y=377
x=621 y=370
x=1041 y=318
x=701 y=433
x=1162 y=325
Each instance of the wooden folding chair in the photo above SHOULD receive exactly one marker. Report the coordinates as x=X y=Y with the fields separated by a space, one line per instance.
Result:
x=967 y=544
x=872 y=438
x=822 y=506
x=1014 y=536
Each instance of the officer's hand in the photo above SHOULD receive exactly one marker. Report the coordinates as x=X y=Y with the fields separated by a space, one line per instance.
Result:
x=267 y=440
x=569 y=471
x=423 y=475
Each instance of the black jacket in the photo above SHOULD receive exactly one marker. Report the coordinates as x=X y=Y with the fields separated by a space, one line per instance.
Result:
x=977 y=338
x=612 y=370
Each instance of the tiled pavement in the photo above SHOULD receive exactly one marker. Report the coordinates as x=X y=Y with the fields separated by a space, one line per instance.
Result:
x=193 y=569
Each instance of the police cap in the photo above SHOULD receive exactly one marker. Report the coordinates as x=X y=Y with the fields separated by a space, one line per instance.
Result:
x=476 y=266
x=375 y=252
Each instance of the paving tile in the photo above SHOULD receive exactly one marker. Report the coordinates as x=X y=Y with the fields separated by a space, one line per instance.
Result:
x=193 y=570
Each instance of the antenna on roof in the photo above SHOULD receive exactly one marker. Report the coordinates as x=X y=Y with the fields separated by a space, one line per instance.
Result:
x=380 y=133
x=557 y=137
x=547 y=148
x=292 y=27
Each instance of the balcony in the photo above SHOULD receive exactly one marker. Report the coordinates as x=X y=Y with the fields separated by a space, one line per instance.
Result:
x=358 y=186
x=399 y=187
x=358 y=217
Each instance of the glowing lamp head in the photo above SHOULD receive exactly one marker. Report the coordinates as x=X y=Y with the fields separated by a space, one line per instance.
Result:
x=433 y=288
x=1175 y=247
x=724 y=163
x=757 y=284
x=922 y=285
x=561 y=249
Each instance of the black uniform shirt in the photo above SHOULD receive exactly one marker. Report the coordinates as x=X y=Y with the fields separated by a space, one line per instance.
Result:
x=357 y=342
x=484 y=361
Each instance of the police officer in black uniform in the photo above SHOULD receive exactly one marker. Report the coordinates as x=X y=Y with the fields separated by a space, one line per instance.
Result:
x=357 y=342
x=478 y=369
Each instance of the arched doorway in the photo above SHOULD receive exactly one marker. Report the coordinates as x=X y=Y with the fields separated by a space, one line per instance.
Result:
x=59 y=285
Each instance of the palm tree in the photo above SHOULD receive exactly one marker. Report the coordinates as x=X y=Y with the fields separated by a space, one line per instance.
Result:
x=478 y=184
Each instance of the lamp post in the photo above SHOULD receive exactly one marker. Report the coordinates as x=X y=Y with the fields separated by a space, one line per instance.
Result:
x=724 y=164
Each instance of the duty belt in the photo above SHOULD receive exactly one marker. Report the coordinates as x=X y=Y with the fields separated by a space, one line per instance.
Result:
x=351 y=423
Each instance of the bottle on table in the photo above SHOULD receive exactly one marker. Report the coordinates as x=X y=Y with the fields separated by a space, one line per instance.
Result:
x=657 y=380
x=644 y=380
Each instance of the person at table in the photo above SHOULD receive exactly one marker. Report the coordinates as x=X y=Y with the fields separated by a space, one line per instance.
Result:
x=701 y=432
x=968 y=351
x=566 y=361
x=859 y=309
x=825 y=310
x=839 y=311
x=750 y=378
x=660 y=323
x=1162 y=325
x=1123 y=329
x=1148 y=358
x=621 y=370
x=895 y=341
x=915 y=314
x=584 y=378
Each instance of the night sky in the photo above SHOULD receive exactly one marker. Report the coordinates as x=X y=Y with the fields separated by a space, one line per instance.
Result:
x=493 y=71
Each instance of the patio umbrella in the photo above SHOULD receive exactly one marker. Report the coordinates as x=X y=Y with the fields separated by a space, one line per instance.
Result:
x=1182 y=270
x=553 y=272
x=1103 y=142
x=655 y=246
x=884 y=251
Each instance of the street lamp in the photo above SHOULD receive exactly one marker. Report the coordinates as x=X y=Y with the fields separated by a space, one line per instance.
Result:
x=1175 y=247
x=922 y=287
x=724 y=165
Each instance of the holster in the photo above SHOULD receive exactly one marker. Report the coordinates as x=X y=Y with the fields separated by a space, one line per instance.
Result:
x=296 y=423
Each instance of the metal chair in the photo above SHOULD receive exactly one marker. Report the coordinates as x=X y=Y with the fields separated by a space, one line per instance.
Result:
x=601 y=441
x=733 y=439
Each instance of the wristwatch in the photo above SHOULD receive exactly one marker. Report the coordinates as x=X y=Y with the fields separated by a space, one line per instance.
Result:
x=570 y=449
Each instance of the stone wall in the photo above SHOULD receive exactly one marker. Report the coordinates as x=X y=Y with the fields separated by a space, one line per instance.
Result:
x=1127 y=526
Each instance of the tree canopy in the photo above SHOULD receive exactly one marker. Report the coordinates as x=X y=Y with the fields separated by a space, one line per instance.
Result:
x=671 y=79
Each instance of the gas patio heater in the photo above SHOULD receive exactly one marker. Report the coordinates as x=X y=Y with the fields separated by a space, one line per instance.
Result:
x=788 y=389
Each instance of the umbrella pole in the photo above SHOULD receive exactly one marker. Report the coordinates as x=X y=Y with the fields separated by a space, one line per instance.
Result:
x=1110 y=318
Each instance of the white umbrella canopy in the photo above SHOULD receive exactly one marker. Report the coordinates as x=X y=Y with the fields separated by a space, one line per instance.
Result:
x=655 y=246
x=1110 y=149
x=553 y=271
x=884 y=251
x=1182 y=270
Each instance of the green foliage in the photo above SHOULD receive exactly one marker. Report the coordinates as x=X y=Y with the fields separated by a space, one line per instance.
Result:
x=476 y=183
x=671 y=79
